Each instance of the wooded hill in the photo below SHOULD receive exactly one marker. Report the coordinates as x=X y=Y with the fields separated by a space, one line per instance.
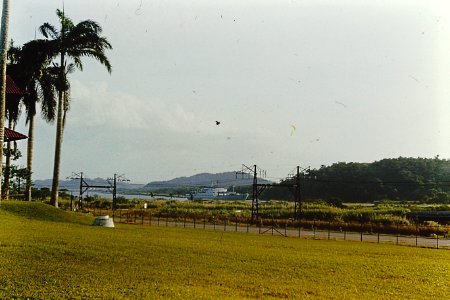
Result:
x=403 y=179
x=225 y=179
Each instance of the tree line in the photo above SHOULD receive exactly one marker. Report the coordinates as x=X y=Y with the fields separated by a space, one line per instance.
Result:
x=399 y=179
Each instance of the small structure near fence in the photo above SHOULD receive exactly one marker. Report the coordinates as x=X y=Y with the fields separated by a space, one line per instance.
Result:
x=104 y=221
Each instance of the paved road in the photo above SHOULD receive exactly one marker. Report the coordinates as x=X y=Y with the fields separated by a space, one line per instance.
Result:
x=432 y=242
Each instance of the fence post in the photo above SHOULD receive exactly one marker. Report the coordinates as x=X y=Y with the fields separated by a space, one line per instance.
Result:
x=159 y=216
x=361 y=229
x=273 y=225
x=214 y=222
x=225 y=225
x=285 y=229
x=260 y=223
x=299 y=228
x=134 y=216
x=150 y=219
x=397 y=234
x=194 y=221
x=120 y=216
x=437 y=239
x=167 y=220
x=329 y=228
x=142 y=215
x=314 y=228
x=417 y=232
x=378 y=233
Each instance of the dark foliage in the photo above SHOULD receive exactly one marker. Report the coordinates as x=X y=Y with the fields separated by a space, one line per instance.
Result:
x=400 y=179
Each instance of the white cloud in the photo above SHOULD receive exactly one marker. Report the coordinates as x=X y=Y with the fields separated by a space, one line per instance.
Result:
x=96 y=105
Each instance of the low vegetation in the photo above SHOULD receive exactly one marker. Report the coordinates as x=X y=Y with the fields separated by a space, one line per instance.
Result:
x=56 y=255
x=384 y=213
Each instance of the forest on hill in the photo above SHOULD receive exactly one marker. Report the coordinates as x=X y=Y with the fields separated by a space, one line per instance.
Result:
x=399 y=179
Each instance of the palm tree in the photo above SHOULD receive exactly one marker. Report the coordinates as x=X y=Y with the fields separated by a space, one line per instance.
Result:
x=3 y=45
x=71 y=42
x=12 y=113
x=32 y=71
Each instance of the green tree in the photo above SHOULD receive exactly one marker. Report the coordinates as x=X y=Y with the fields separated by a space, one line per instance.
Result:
x=70 y=42
x=31 y=69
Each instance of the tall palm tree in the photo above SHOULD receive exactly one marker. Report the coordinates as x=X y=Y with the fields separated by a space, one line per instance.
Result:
x=33 y=73
x=71 y=42
x=3 y=45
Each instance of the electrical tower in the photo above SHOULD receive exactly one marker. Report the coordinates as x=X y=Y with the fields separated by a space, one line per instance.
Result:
x=112 y=187
x=115 y=179
x=258 y=188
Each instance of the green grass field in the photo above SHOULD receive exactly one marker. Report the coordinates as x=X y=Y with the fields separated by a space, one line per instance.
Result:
x=47 y=253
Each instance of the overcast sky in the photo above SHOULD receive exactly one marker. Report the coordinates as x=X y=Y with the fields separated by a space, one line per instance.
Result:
x=292 y=83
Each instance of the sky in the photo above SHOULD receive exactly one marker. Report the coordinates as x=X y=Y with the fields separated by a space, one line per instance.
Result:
x=292 y=83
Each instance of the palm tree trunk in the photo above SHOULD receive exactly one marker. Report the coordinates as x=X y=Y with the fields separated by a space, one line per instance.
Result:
x=58 y=144
x=30 y=145
x=3 y=44
x=59 y=137
x=7 y=165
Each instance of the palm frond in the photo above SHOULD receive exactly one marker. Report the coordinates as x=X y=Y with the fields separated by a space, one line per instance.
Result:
x=48 y=95
x=97 y=55
x=66 y=23
x=13 y=54
x=70 y=68
x=48 y=31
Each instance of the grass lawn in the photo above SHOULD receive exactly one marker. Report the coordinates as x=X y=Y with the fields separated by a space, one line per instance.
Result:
x=46 y=253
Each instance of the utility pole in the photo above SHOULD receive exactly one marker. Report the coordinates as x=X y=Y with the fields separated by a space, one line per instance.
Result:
x=84 y=186
x=256 y=188
x=293 y=184
x=115 y=193
x=298 y=196
x=115 y=179
x=255 y=202
x=80 y=196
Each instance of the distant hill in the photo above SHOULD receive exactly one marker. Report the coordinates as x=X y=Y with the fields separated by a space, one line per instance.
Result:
x=74 y=185
x=225 y=179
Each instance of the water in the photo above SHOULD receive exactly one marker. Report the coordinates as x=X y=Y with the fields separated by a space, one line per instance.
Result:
x=140 y=197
